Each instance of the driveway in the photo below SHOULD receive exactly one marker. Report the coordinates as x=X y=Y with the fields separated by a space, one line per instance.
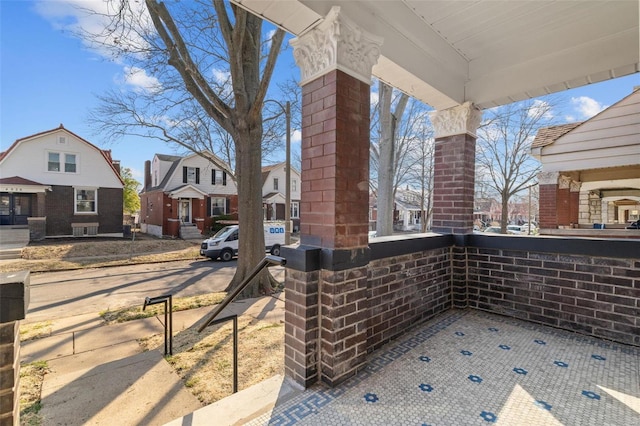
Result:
x=62 y=294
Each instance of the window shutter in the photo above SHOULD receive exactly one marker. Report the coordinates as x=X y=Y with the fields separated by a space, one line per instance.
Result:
x=184 y=174
x=197 y=175
x=227 y=206
x=224 y=178
x=208 y=206
x=213 y=176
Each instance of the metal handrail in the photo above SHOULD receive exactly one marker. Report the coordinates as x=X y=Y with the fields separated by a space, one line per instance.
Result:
x=267 y=261
x=233 y=318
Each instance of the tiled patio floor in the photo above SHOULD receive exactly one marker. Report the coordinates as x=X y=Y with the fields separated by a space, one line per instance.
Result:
x=473 y=368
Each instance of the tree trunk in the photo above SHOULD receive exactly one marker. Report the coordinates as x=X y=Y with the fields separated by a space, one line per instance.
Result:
x=384 y=225
x=250 y=215
x=505 y=213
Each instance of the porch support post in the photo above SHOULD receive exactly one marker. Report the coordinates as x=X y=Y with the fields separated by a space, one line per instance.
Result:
x=548 y=199
x=326 y=276
x=454 y=168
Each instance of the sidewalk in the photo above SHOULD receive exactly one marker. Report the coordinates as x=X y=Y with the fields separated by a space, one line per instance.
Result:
x=100 y=375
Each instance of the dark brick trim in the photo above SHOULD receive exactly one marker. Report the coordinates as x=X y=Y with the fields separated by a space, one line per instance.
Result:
x=575 y=246
x=302 y=258
x=408 y=244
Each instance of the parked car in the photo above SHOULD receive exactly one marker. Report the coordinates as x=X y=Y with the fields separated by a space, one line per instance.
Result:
x=516 y=230
x=492 y=230
x=634 y=225
x=224 y=244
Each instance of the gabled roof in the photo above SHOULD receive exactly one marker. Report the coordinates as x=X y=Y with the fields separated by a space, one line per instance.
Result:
x=106 y=154
x=549 y=135
x=177 y=160
x=17 y=180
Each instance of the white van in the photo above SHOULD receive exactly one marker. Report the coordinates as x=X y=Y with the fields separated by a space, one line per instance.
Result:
x=224 y=244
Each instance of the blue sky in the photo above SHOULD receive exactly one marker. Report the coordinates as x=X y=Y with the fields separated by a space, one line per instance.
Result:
x=48 y=77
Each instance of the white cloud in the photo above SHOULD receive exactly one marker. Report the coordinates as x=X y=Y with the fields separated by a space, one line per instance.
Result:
x=138 y=80
x=91 y=17
x=540 y=108
x=221 y=77
x=375 y=97
x=587 y=107
x=296 y=136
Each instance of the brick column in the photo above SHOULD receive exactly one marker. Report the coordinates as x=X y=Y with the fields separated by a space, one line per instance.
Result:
x=326 y=278
x=563 y=203
x=454 y=168
x=14 y=300
x=548 y=200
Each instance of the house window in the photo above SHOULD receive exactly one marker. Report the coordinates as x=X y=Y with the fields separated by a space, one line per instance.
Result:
x=86 y=201
x=69 y=163
x=294 y=185
x=54 y=162
x=218 y=206
x=295 y=210
x=191 y=175
x=218 y=177
x=275 y=184
x=55 y=159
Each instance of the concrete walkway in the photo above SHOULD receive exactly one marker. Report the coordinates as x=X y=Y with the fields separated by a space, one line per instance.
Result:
x=12 y=240
x=100 y=374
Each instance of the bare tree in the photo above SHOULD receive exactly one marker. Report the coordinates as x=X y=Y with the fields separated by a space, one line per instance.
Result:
x=386 y=153
x=210 y=69
x=503 y=145
x=421 y=171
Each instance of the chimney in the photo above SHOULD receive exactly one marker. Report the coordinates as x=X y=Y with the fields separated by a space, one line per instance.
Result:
x=147 y=175
x=116 y=165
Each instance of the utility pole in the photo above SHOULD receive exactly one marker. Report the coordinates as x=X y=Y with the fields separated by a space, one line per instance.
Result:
x=287 y=208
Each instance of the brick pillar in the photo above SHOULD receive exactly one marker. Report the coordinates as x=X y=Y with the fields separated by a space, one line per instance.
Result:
x=454 y=168
x=548 y=214
x=563 y=203
x=326 y=279
x=14 y=300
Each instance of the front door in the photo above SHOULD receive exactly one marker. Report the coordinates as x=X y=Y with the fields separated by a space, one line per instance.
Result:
x=15 y=209
x=185 y=211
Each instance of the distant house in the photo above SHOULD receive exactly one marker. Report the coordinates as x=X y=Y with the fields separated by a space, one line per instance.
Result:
x=181 y=194
x=591 y=172
x=60 y=184
x=407 y=212
x=274 y=183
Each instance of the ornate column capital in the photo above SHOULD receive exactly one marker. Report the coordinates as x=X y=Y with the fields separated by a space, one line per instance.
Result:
x=548 y=178
x=336 y=43
x=564 y=182
x=459 y=120
x=574 y=186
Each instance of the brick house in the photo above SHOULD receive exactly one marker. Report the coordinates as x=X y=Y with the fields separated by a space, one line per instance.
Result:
x=591 y=173
x=180 y=194
x=60 y=184
x=274 y=183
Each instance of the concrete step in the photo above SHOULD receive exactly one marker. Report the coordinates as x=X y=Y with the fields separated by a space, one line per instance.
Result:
x=10 y=254
x=243 y=406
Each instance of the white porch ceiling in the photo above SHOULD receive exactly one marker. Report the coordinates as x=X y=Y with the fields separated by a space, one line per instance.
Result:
x=490 y=52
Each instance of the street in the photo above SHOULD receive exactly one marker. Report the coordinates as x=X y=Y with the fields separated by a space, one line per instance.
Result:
x=62 y=294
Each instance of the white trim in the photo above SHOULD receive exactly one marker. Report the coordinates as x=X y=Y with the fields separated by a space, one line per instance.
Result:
x=75 y=200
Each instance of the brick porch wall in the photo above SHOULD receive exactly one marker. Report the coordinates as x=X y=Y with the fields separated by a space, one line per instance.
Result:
x=598 y=296
x=406 y=289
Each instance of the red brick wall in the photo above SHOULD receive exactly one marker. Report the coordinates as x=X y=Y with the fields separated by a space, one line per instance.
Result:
x=404 y=290
x=335 y=162
x=548 y=206
x=454 y=178
x=574 y=205
x=564 y=209
x=596 y=296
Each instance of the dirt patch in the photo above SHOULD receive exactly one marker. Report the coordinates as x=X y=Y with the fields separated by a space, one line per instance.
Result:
x=67 y=253
x=204 y=360
x=31 y=378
